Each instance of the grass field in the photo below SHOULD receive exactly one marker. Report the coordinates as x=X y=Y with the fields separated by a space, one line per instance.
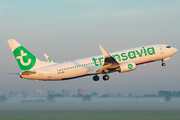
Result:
x=90 y=111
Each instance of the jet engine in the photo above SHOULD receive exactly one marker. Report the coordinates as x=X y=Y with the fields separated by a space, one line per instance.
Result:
x=127 y=66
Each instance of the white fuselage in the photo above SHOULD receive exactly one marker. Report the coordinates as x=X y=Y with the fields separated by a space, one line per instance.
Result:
x=89 y=65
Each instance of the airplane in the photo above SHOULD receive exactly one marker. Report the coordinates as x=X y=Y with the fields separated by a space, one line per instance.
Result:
x=119 y=61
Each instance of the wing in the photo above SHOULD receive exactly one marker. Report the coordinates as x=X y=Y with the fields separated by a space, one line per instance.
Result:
x=110 y=64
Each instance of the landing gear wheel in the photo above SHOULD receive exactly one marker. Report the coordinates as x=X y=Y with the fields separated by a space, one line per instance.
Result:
x=105 y=77
x=96 y=78
x=163 y=64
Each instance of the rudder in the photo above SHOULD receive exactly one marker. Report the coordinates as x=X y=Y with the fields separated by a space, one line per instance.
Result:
x=24 y=58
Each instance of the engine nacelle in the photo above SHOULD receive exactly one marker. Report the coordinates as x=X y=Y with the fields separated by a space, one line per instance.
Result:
x=127 y=66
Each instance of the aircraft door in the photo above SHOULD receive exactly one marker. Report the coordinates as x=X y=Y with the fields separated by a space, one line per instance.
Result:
x=161 y=50
x=49 y=73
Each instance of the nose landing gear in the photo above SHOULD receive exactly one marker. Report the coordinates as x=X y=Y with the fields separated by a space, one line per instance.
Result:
x=163 y=64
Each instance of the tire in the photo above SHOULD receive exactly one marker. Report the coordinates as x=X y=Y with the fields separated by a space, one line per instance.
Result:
x=105 y=77
x=96 y=78
x=163 y=64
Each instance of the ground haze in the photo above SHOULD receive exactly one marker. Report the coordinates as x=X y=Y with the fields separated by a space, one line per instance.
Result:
x=90 y=111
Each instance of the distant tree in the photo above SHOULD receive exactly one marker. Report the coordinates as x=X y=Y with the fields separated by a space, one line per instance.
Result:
x=119 y=95
x=51 y=98
x=178 y=94
x=160 y=93
x=79 y=96
x=137 y=96
x=73 y=96
x=148 y=95
x=3 y=99
x=58 y=95
x=94 y=94
x=163 y=93
x=130 y=95
x=86 y=98
x=105 y=96
x=173 y=94
x=111 y=95
x=167 y=98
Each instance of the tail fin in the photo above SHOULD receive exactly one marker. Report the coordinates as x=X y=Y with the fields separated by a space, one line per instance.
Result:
x=25 y=59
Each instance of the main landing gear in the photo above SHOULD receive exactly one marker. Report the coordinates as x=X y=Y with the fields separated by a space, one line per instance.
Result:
x=96 y=78
x=163 y=64
x=105 y=78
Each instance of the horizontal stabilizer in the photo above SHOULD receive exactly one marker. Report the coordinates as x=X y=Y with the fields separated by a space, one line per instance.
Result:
x=12 y=73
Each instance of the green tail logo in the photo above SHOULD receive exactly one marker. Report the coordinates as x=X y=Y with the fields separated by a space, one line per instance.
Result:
x=24 y=58
x=49 y=59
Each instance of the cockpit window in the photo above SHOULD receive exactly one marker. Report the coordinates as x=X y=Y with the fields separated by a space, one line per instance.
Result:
x=168 y=46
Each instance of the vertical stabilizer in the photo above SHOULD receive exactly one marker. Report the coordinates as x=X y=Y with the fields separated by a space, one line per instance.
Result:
x=26 y=60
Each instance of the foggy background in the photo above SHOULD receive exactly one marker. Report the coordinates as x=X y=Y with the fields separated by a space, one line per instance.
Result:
x=67 y=30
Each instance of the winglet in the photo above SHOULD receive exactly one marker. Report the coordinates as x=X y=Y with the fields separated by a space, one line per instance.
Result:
x=48 y=59
x=104 y=52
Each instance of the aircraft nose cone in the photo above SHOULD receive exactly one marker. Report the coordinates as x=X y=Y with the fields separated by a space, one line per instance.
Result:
x=175 y=50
